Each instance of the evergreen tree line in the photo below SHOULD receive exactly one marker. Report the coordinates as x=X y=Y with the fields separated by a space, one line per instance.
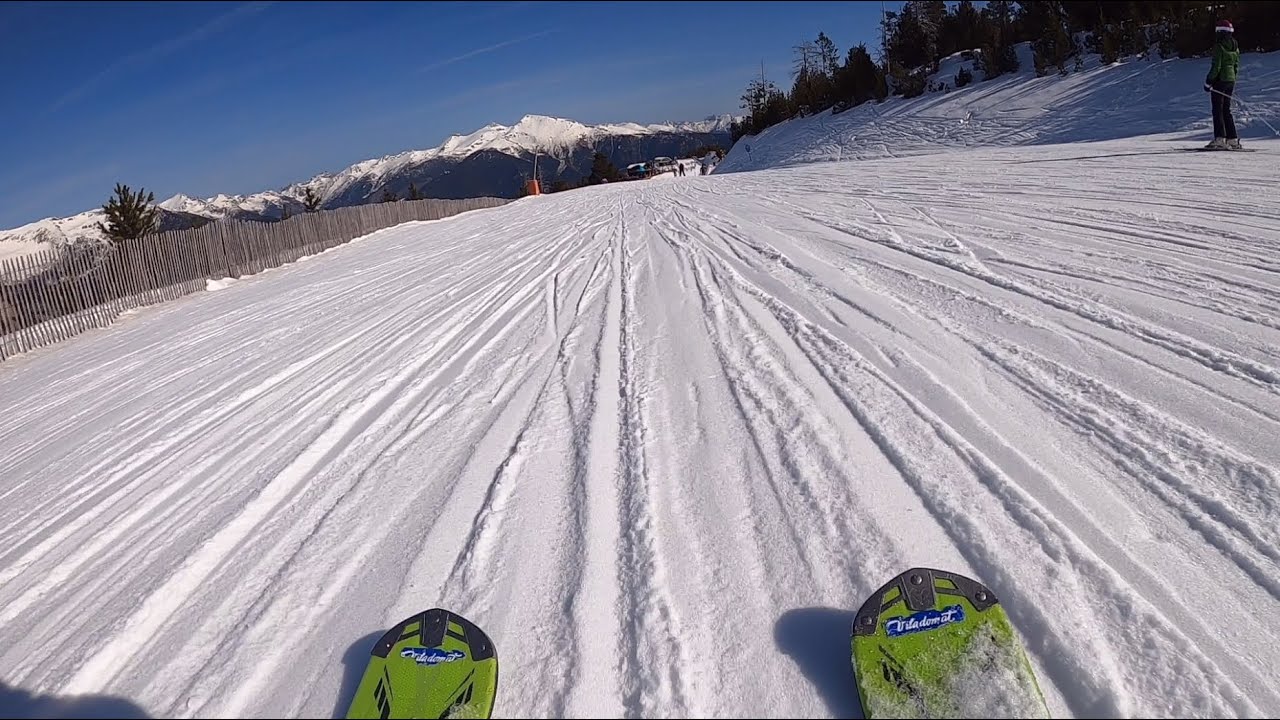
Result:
x=922 y=32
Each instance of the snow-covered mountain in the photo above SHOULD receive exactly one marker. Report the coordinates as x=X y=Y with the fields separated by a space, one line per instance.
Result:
x=498 y=159
x=81 y=227
x=265 y=205
x=50 y=232
x=495 y=160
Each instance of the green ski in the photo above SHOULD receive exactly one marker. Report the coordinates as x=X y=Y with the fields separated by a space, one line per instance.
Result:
x=435 y=664
x=936 y=644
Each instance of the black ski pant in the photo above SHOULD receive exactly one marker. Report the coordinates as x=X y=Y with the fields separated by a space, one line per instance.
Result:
x=1224 y=125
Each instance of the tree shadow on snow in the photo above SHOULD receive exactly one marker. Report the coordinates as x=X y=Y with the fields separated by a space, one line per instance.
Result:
x=19 y=703
x=818 y=639
x=354 y=661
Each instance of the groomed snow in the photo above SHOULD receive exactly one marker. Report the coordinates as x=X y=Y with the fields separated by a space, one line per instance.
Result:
x=661 y=439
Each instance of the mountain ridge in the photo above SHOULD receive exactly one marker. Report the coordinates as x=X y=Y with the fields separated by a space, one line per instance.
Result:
x=491 y=160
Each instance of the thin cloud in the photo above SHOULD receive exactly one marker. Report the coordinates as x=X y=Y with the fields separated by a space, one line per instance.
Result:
x=149 y=55
x=484 y=50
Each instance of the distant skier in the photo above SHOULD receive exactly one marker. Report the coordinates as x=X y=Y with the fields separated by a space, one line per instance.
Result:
x=1220 y=84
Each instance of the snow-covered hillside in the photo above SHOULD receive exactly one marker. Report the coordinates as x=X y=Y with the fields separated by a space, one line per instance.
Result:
x=49 y=233
x=1128 y=99
x=532 y=134
x=661 y=439
x=59 y=232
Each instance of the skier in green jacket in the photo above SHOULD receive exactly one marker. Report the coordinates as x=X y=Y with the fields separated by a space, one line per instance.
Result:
x=1220 y=83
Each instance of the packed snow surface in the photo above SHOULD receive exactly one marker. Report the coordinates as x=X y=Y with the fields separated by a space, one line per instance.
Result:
x=661 y=439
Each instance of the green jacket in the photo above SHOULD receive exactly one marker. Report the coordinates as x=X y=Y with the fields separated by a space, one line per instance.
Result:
x=1226 y=61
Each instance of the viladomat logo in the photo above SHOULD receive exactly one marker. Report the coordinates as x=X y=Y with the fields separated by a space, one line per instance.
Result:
x=924 y=620
x=431 y=656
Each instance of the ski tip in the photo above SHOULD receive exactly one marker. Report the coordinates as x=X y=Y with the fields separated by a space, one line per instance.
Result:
x=431 y=627
x=435 y=663
x=918 y=588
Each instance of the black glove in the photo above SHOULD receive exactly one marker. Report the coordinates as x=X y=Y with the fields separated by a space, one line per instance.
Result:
x=1208 y=87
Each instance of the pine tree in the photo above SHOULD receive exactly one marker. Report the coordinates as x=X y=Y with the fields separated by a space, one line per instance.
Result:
x=914 y=34
x=845 y=85
x=130 y=215
x=413 y=192
x=932 y=17
x=828 y=66
x=828 y=55
x=1108 y=43
x=803 y=95
x=602 y=169
x=1257 y=25
x=998 y=55
x=284 y=212
x=776 y=108
x=311 y=201
x=388 y=196
x=761 y=101
x=1052 y=42
x=859 y=79
x=965 y=27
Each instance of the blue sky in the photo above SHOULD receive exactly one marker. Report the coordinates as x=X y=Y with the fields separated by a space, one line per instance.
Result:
x=202 y=98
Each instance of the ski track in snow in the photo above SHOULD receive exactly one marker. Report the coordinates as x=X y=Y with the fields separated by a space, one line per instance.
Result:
x=661 y=439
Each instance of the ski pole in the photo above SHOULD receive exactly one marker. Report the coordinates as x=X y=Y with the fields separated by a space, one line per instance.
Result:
x=1246 y=107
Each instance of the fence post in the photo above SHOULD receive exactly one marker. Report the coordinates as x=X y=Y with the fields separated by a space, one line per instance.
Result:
x=26 y=304
x=164 y=267
x=130 y=274
x=23 y=303
x=9 y=321
x=55 y=300
x=155 y=269
x=222 y=263
x=65 y=299
x=205 y=263
x=111 y=279
x=76 y=291
x=164 y=261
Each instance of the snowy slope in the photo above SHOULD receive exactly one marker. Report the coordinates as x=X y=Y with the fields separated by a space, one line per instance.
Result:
x=1128 y=99
x=660 y=440
x=532 y=134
